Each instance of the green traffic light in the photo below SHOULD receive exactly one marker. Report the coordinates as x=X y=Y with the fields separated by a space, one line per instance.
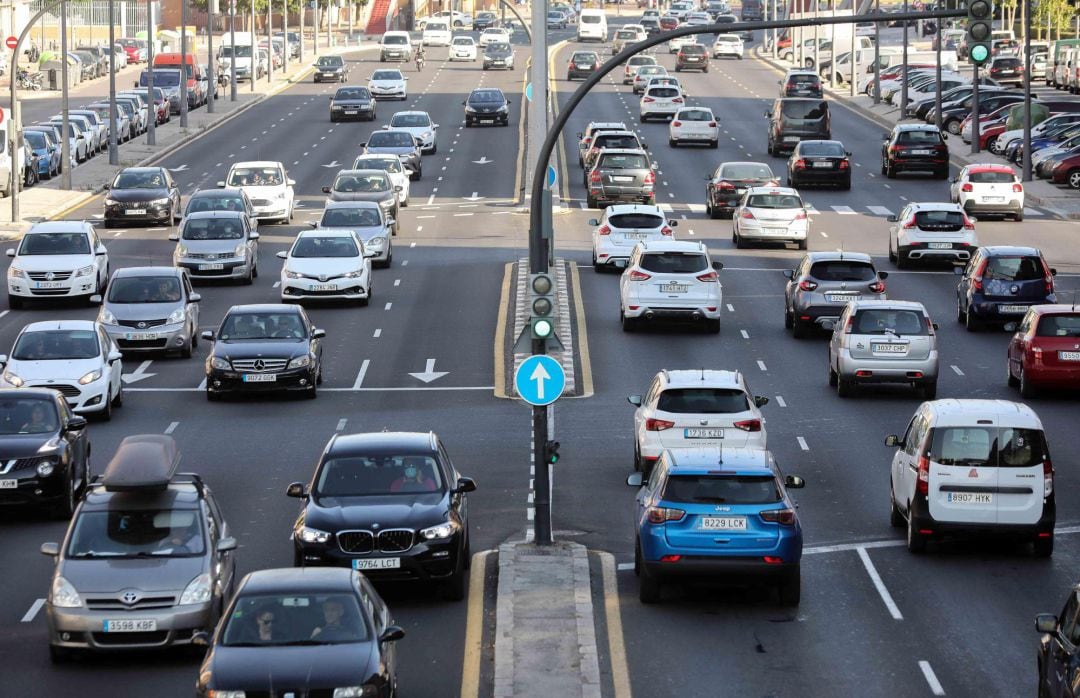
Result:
x=542 y=329
x=979 y=54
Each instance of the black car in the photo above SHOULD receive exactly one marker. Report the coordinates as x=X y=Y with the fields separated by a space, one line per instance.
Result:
x=485 y=20
x=952 y=117
x=400 y=143
x=261 y=348
x=801 y=83
x=331 y=69
x=692 y=57
x=390 y=504
x=487 y=104
x=302 y=632
x=1059 y=649
x=44 y=450
x=352 y=103
x=819 y=162
x=730 y=181
x=915 y=147
x=499 y=55
x=146 y=194
x=582 y=64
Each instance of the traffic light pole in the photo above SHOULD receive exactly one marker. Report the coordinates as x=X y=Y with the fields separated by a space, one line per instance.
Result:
x=1026 y=175
x=975 y=112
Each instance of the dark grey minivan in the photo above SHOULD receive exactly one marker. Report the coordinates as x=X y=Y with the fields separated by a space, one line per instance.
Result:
x=794 y=119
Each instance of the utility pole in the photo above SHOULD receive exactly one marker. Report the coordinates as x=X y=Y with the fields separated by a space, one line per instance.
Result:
x=184 y=65
x=232 y=63
x=937 y=75
x=774 y=37
x=1027 y=91
x=905 y=77
x=286 y=46
x=303 y=11
x=114 y=153
x=877 y=54
x=269 y=42
x=65 y=145
x=315 y=30
x=151 y=125
x=254 y=49
x=211 y=79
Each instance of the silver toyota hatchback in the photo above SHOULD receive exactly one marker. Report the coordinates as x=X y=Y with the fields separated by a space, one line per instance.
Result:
x=151 y=309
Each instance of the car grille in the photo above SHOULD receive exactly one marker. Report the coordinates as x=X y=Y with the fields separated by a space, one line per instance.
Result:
x=393 y=540
x=141 y=343
x=141 y=324
x=260 y=202
x=210 y=272
x=211 y=256
x=68 y=391
x=114 y=604
x=44 y=275
x=356 y=542
x=157 y=637
x=24 y=463
x=268 y=365
x=49 y=291
x=294 y=692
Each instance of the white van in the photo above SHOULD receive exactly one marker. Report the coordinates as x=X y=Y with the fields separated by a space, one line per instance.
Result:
x=437 y=33
x=395 y=46
x=5 y=155
x=970 y=467
x=592 y=26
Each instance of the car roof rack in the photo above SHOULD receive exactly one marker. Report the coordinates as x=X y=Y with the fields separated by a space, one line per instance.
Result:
x=142 y=462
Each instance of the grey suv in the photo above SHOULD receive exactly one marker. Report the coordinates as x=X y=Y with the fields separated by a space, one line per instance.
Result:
x=823 y=283
x=621 y=174
x=217 y=245
x=883 y=342
x=147 y=560
x=151 y=309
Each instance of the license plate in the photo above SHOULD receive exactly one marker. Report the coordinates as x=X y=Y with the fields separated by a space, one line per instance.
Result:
x=791 y=139
x=351 y=111
x=619 y=178
x=920 y=152
x=637 y=236
x=379 y=563
x=703 y=433
x=136 y=212
x=1069 y=355
x=940 y=245
x=823 y=165
x=133 y=625
x=498 y=62
x=210 y=267
x=260 y=377
x=723 y=523
x=888 y=348
x=993 y=199
x=9 y=484
x=969 y=498
x=324 y=287
x=139 y=336
x=693 y=136
x=1012 y=308
x=674 y=288
x=48 y=284
x=832 y=298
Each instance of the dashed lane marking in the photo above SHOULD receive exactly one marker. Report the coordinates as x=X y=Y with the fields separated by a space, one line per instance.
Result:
x=931 y=678
x=745 y=334
x=388 y=306
x=883 y=592
x=780 y=401
x=378 y=333
x=957 y=370
x=34 y=609
x=172 y=427
x=761 y=365
x=359 y=382
x=802 y=443
x=341 y=424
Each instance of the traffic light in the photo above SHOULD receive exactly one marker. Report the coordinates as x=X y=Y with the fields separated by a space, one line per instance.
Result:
x=551 y=452
x=979 y=30
x=542 y=305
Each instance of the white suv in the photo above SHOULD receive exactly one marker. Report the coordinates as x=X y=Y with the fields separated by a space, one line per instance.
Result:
x=267 y=185
x=696 y=408
x=660 y=100
x=989 y=189
x=57 y=259
x=924 y=232
x=970 y=467
x=670 y=279
x=436 y=33
x=624 y=225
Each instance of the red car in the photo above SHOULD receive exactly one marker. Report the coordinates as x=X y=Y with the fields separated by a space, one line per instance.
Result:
x=1045 y=350
x=667 y=23
x=1067 y=172
x=134 y=48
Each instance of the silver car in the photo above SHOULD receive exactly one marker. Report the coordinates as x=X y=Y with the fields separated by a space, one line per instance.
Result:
x=368 y=221
x=147 y=561
x=883 y=342
x=217 y=245
x=151 y=309
x=823 y=283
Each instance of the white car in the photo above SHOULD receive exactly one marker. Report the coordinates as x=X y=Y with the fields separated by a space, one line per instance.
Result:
x=697 y=19
x=670 y=280
x=644 y=73
x=463 y=48
x=267 y=185
x=989 y=188
x=458 y=20
x=419 y=125
x=391 y=164
x=494 y=35
x=679 y=10
x=366 y=220
x=675 y=45
x=326 y=264
x=621 y=227
x=727 y=45
x=694 y=125
x=770 y=214
x=75 y=357
x=388 y=83
x=57 y=259
x=692 y=408
x=662 y=101
x=437 y=33
x=931 y=232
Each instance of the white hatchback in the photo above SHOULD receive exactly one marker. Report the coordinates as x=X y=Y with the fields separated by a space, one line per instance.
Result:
x=494 y=35
x=925 y=232
x=660 y=101
x=670 y=280
x=326 y=264
x=267 y=185
x=57 y=259
x=436 y=33
x=770 y=214
x=989 y=188
x=391 y=164
x=463 y=48
x=621 y=227
x=694 y=125
x=727 y=45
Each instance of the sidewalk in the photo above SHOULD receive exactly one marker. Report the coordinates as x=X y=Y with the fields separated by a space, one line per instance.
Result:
x=1058 y=200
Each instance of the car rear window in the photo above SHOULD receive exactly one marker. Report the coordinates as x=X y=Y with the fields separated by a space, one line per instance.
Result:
x=1007 y=63
x=889 y=321
x=703 y=400
x=918 y=138
x=696 y=49
x=641 y=60
x=939 y=220
x=821 y=149
x=988 y=446
x=695 y=115
x=1059 y=326
x=663 y=92
x=774 y=201
x=674 y=262
x=620 y=161
x=626 y=34
x=992 y=177
x=842 y=270
x=636 y=220
x=1026 y=268
x=804 y=110
x=729 y=489
x=620 y=141
x=746 y=171
x=590 y=19
x=804 y=80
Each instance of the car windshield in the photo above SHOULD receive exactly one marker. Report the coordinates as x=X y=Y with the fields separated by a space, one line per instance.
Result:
x=694 y=115
x=51 y=345
x=139 y=180
x=374 y=182
x=166 y=78
x=842 y=270
x=350 y=217
x=636 y=220
x=378 y=475
x=662 y=92
x=1059 y=326
x=988 y=446
x=463 y=41
x=623 y=34
x=693 y=49
x=36 y=139
x=746 y=171
x=674 y=262
x=331 y=62
x=27 y=416
x=242 y=51
x=499 y=48
x=255 y=177
x=703 y=401
x=325 y=246
x=391 y=139
x=144 y=289
x=370 y=163
x=267 y=325
x=486 y=96
x=992 y=177
x=213 y=229
x=137 y=533
x=410 y=121
x=387 y=75
x=623 y=161
x=210 y=202
x=395 y=40
x=309 y=619
x=774 y=201
x=889 y=321
x=55 y=243
x=352 y=93
x=821 y=149
x=728 y=489
x=918 y=138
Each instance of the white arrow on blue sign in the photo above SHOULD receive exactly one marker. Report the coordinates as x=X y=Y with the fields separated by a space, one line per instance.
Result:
x=540 y=380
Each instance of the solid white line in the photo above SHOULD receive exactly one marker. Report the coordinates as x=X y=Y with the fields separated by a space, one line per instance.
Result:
x=846 y=210
x=625 y=566
x=341 y=424
x=172 y=427
x=761 y=365
x=4 y=312
x=931 y=678
x=34 y=608
x=745 y=334
x=878 y=584
x=802 y=443
x=360 y=376
x=202 y=386
x=956 y=368
x=780 y=401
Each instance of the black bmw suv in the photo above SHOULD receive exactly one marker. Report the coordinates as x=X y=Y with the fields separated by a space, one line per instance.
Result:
x=389 y=504
x=913 y=148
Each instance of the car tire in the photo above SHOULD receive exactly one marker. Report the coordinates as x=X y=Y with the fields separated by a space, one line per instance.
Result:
x=790 y=589
x=971 y=323
x=106 y=414
x=739 y=244
x=311 y=393
x=896 y=519
x=1010 y=380
x=714 y=144
x=65 y=508
x=803 y=244
x=902 y=260
x=629 y=324
x=799 y=329
x=649 y=587
x=15 y=302
x=890 y=171
x=1027 y=390
x=1043 y=547
x=186 y=350
x=297 y=558
x=833 y=377
x=928 y=390
x=590 y=202
x=454 y=588
x=673 y=143
x=916 y=542
x=250 y=278
x=845 y=387
x=1018 y=216
x=960 y=314
x=789 y=319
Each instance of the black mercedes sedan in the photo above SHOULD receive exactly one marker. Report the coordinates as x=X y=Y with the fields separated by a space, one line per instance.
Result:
x=302 y=632
x=44 y=451
x=819 y=162
x=352 y=103
x=487 y=104
x=390 y=504
x=264 y=348
x=143 y=194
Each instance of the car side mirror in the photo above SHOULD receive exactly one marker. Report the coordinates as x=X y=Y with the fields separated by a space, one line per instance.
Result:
x=789 y=273
x=326 y=190
x=398 y=188
x=717 y=266
x=226 y=544
x=883 y=274
x=318 y=333
x=619 y=264
x=95 y=299
x=594 y=221
x=392 y=633
x=175 y=237
x=465 y=484
x=634 y=400
x=636 y=479
x=208 y=335
x=200 y=639
x=892 y=441
x=51 y=549
x=221 y=184
x=114 y=356
x=106 y=186
x=1044 y=622
x=794 y=482
x=11 y=253
x=892 y=219
x=75 y=423
x=463 y=102
x=297 y=490
x=760 y=401
x=1053 y=271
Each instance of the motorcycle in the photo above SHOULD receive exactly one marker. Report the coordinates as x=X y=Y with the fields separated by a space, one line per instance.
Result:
x=29 y=81
x=419 y=62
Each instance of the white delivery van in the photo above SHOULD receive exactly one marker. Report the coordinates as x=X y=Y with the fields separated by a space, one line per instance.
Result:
x=238 y=48
x=592 y=26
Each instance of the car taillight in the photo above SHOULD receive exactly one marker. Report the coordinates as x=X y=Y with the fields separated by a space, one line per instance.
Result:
x=746 y=213
x=678 y=100
x=910 y=223
x=845 y=165
x=650 y=177
x=712 y=124
x=800 y=216
x=877 y=287
x=666 y=230
x=930 y=327
x=967 y=188
x=1018 y=188
x=894 y=149
x=977 y=277
x=658 y=424
x=807 y=285
x=922 y=484
x=849 y=325
x=648 y=99
x=748 y=425
x=1048 y=478
x=800 y=164
x=785 y=517
x=595 y=177
x=968 y=225
x=639 y=276
x=707 y=276
x=725 y=185
x=604 y=230
x=659 y=515
x=676 y=123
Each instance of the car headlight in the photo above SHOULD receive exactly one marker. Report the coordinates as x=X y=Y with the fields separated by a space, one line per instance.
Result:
x=313 y=535
x=440 y=532
x=300 y=362
x=355 y=692
x=469 y=109
x=13 y=379
x=105 y=317
x=293 y=274
x=176 y=316
x=219 y=363
x=85 y=271
x=111 y=202
x=45 y=468
x=181 y=251
x=425 y=135
x=199 y=590
x=387 y=203
x=90 y=377
x=377 y=241
x=502 y=108
x=159 y=202
x=240 y=250
x=63 y=595
x=15 y=272
x=354 y=274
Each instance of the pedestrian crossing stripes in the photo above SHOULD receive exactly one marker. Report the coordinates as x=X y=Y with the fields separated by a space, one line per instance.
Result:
x=879 y=211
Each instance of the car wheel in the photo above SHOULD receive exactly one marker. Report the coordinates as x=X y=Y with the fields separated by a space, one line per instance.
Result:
x=673 y=143
x=65 y=508
x=15 y=302
x=297 y=558
x=890 y=171
x=802 y=244
x=712 y=326
x=1018 y=216
x=953 y=127
x=590 y=202
x=896 y=519
x=845 y=387
x=799 y=329
x=60 y=655
x=649 y=587
x=186 y=350
x=629 y=324
x=1073 y=179
x=711 y=211
x=902 y=260
x=250 y=278
x=737 y=239
x=960 y=314
x=311 y=393
x=1011 y=380
x=790 y=589
x=789 y=319
x=832 y=375
x=929 y=390
x=106 y=414
x=916 y=542
x=1027 y=390
x=971 y=323
x=1043 y=547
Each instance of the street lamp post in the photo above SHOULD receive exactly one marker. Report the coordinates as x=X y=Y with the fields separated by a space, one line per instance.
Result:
x=184 y=65
x=114 y=153
x=232 y=44
x=65 y=146
x=151 y=125
x=254 y=49
x=211 y=79
x=269 y=42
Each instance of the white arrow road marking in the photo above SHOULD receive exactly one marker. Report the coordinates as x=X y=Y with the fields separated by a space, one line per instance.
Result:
x=540 y=375
x=181 y=168
x=474 y=197
x=483 y=161
x=138 y=374
x=429 y=374
x=333 y=164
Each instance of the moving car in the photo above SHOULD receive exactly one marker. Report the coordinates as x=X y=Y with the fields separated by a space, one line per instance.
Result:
x=819 y=162
x=585 y=137
x=694 y=125
x=57 y=259
x=326 y=265
x=145 y=194
x=663 y=101
x=420 y=126
x=498 y=55
x=605 y=140
x=582 y=64
x=727 y=45
x=621 y=175
x=631 y=66
x=368 y=222
x=391 y=165
x=692 y=57
x=494 y=35
x=931 y=231
x=770 y=214
x=396 y=46
x=352 y=103
x=217 y=245
x=389 y=83
x=463 y=48
x=822 y=285
x=730 y=181
x=151 y=309
x=912 y=148
x=366 y=185
x=400 y=143
x=644 y=74
x=487 y=104
x=991 y=188
x=1000 y=283
x=267 y=185
x=670 y=280
x=225 y=199
x=1059 y=646
x=1043 y=353
x=621 y=227
x=436 y=33
x=793 y=119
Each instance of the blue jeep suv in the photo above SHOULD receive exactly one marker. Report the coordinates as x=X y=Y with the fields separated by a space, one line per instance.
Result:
x=716 y=514
x=1000 y=283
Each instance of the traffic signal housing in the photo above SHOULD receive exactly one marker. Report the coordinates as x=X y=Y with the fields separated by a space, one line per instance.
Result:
x=542 y=305
x=551 y=452
x=980 y=16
